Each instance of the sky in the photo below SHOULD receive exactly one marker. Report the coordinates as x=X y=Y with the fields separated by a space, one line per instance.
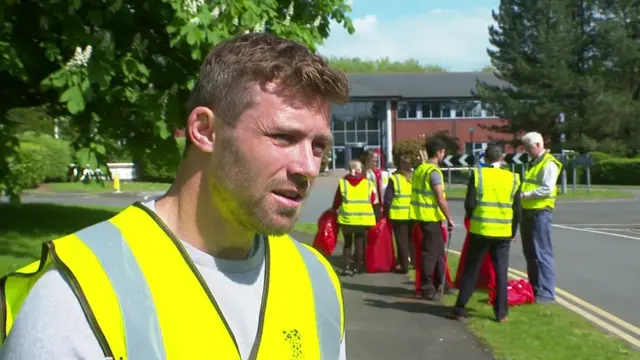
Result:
x=453 y=34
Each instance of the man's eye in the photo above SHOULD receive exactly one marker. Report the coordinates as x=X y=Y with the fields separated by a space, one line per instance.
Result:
x=319 y=149
x=283 y=138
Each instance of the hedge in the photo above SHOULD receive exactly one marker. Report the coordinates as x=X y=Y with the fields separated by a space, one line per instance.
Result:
x=616 y=171
x=29 y=170
x=57 y=155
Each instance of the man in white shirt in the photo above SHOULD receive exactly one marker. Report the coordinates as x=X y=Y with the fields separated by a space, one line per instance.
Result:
x=257 y=131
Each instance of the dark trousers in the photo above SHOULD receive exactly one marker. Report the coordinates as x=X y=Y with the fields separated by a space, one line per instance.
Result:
x=354 y=235
x=538 y=252
x=402 y=231
x=499 y=252
x=432 y=257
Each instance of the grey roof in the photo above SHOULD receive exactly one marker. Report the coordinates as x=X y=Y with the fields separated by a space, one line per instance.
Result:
x=419 y=85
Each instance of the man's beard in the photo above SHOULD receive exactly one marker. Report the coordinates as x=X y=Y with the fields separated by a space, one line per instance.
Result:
x=240 y=199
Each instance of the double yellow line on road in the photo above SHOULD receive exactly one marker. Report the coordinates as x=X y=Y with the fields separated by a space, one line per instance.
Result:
x=596 y=315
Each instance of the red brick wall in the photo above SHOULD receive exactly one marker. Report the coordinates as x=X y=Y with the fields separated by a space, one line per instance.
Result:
x=411 y=129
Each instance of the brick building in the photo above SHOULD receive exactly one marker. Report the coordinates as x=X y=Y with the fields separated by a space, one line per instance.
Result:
x=386 y=108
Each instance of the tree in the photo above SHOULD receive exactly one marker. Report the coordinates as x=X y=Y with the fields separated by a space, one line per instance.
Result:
x=132 y=64
x=358 y=65
x=576 y=57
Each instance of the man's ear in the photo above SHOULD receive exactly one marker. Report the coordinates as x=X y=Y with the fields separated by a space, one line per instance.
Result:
x=201 y=128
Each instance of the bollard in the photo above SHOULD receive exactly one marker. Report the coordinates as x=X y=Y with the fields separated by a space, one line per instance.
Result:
x=116 y=183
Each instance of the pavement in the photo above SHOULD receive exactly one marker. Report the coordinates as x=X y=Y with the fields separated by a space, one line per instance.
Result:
x=384 y=321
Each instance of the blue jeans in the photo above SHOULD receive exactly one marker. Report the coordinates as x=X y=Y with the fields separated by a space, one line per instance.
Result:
x=538 y=251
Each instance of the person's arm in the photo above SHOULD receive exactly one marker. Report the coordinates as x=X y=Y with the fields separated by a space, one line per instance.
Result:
x=549 y=179
x=388 y=197
x=517 y=214
x=436 y=184
x=337 y=200
x=470 y=200
x=375 y=203
x=51 y=325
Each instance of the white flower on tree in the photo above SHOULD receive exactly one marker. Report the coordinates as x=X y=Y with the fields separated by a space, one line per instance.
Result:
x=80 y=57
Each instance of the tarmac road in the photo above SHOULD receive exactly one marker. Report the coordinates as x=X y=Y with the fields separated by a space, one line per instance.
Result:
x=597 y=243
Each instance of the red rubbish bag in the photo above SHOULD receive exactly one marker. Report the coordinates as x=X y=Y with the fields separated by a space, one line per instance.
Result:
x=416 y=238
x=379 y=252
x=519 y=292
x=327 y=236
x=487 y=276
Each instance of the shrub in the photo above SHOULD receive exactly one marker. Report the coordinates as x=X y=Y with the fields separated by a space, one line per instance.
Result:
x=409 y=148
x=57 y=155
x=160 y=162
x=616 y=171
x=29 y=168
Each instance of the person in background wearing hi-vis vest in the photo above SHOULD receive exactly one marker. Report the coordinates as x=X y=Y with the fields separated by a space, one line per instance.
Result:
x=493 y=205
x=356 y=202
x=429 y=208
x=206 y=271
x=397 y=200
x=539 y=193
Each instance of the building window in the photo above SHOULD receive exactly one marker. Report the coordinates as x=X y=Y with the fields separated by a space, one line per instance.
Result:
x=407 y=110
x=487 y=110
x=443 y=109
x=358 y=122
x=468 y=109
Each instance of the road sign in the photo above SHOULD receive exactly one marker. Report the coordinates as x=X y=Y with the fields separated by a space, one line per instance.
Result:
x=516 y=158
x=583 y=160
x=458 y=160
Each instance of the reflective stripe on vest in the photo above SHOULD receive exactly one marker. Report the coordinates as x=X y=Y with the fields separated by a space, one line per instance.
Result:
x=140 y=291
x=399 y=209
x=356 y=208
x=533 y=180
x=495 y=192
x=424 y=206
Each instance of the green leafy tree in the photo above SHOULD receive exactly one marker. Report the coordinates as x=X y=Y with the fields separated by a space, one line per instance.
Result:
x=358 y=65
x=123 y=70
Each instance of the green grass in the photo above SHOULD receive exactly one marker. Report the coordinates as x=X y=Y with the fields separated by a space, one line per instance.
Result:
x=580 y=194
x=534 y=332
x=95 y=187
x=25 y=227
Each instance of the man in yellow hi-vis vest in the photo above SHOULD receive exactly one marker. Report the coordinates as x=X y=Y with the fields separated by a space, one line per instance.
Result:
x=429 y=208
x=493 y=205
x=206 y=271
x=539 y=193
x=397 y=201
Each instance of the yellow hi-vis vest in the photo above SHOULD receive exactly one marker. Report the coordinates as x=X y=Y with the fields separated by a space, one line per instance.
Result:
x=145 y=299
x=533 y=180
x=399 y=209
x=356 y=208
x=495 y=191
x=424 y=206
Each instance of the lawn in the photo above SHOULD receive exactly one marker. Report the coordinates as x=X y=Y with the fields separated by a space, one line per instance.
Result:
x=535 y=332
x=94 y=187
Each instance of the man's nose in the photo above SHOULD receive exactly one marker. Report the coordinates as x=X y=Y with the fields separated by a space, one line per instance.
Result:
x=304 y=162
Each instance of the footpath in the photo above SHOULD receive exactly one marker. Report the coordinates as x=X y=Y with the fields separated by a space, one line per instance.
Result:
x=385 y=321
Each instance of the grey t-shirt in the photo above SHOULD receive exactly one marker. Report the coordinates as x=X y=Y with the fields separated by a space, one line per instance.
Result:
x=52 y=325
x=435 y=178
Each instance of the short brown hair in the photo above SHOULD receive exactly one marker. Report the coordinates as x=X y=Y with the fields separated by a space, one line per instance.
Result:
x=260 y=58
